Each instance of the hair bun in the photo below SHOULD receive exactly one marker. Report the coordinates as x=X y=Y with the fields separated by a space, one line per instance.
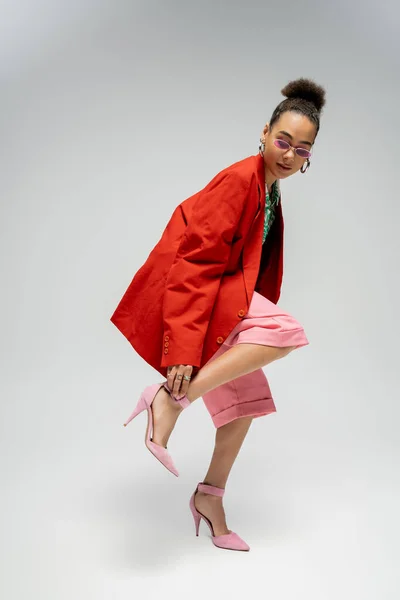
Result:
x=306 y=89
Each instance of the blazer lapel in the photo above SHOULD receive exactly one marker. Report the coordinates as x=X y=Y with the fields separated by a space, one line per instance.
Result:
x=253 y=244
x=253 y=249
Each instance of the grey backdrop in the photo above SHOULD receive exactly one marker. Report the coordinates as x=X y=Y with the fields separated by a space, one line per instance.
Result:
x=111 y=114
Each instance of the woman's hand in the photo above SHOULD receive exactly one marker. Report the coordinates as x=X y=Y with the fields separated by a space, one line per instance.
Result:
x=175 y=379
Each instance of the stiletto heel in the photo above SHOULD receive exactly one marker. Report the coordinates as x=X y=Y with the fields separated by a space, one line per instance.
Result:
x=141 y=406
x=145 y=402
x=228 y=541
x=196 y=515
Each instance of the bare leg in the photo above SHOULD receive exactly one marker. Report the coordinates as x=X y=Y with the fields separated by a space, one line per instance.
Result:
x=235 y=362
x=228 y=441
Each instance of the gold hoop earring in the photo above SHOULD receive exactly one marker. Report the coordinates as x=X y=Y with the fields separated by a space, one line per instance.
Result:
x=308 y=164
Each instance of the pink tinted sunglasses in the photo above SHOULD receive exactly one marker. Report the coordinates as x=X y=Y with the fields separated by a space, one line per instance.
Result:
x=283 y=145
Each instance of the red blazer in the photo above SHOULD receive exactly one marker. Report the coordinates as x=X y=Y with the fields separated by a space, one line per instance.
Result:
x=198 y=281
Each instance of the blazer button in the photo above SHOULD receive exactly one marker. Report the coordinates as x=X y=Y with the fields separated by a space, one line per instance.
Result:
x=241 y=313
x=166 y=338
x=220 y=340
x=166 y=344
x=166 y=351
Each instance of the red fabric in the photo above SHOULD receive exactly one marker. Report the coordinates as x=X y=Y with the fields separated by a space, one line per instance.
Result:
x=198 y=281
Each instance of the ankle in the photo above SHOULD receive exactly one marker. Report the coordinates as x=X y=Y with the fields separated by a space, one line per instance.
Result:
x=218 y=484
x=175 y=407
x=199 y=385
x=192 y=392
x=210 y=497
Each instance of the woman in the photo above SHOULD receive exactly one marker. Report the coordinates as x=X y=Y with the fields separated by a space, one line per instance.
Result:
x=202 y=310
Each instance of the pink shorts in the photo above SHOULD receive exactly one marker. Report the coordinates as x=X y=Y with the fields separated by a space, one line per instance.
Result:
x=250 y=395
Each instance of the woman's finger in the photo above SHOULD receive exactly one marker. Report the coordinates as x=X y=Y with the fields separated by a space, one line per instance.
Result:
x=187 y=372
x=171 y=376
x=178 y=381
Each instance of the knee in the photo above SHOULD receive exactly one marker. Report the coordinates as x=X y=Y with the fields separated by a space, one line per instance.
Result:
x=276 y=352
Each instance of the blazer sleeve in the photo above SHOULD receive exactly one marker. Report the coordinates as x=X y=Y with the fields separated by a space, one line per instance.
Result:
x=193 y=281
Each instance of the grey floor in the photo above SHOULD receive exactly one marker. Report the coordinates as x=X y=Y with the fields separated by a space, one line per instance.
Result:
x=89 y=513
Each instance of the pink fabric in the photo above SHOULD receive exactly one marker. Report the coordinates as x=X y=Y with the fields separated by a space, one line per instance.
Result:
x=206 y=488
x=250 y=395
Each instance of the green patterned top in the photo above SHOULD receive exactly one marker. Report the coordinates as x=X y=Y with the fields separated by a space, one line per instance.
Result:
x=270 y=205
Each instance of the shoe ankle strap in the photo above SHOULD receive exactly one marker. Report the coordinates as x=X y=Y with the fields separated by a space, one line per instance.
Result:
x=184 y=401
x=206 y=488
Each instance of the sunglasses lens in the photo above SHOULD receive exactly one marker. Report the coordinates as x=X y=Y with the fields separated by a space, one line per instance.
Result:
x=281 y=144
x=303 y=152
x=300 y=151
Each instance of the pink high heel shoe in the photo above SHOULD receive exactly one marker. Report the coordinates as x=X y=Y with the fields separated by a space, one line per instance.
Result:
x=145 y=402
x=228 y=541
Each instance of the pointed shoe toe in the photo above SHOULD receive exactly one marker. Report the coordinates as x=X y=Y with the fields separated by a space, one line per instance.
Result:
x=163 y=456
x=230 y=541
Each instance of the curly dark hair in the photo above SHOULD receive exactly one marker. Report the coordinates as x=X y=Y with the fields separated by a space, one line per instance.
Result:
x=303 y=96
